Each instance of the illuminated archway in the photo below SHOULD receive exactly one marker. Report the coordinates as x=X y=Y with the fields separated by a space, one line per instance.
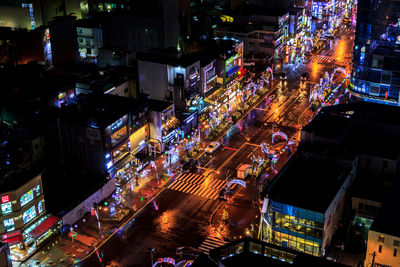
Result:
x=270 y=71
x=341 y=70
x=281 y=134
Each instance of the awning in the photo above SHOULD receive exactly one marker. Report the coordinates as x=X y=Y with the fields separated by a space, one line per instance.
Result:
x=44 y=226
x=13 y=240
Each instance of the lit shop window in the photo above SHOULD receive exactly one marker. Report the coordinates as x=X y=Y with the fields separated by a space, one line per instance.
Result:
x=40 y=206
x=6 y=208
x=120 y=152
x=37 y=190
x=119 y=135
x=26 y=198
x=29 y=214
x=9 y=225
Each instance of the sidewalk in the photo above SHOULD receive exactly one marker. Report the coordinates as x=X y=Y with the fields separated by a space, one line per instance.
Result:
x=113 y=212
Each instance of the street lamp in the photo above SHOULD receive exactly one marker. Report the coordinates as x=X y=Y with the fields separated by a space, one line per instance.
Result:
x=152 y=251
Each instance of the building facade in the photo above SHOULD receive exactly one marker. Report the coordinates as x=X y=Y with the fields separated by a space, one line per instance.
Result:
x=24 y=221
x=376 y=61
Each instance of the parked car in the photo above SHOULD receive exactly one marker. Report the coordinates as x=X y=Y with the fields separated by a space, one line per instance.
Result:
x=212 y=147
x=187 y=252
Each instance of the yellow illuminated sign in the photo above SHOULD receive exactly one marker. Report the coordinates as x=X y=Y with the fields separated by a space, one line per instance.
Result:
x=226 y=18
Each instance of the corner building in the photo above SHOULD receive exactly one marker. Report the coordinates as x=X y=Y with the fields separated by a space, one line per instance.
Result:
x=376 y=62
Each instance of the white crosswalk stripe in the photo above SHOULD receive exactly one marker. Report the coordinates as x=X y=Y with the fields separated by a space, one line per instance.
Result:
x=198 y=185
x=210 y=243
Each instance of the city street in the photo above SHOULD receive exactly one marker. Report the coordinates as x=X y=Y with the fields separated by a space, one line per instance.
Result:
x=184 y=208
x=190 y=211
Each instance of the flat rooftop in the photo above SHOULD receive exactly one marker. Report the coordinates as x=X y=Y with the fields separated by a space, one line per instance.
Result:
x=387 y=221
x=17 y=178
x=358 y=128
x=100 y=111
x=309 y=181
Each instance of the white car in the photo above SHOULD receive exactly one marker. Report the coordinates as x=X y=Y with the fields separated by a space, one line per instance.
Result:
x=212 y=147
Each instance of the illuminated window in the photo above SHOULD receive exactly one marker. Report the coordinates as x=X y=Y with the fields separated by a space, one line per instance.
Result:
x=40 y=206
x=26 y=198
x=120 y=152
x=6 y=208
x=37 y=190
x=118 y=135
x=28 y=215
x=9 y=225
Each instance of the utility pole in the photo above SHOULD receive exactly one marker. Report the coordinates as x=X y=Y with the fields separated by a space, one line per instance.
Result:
x=373 y=259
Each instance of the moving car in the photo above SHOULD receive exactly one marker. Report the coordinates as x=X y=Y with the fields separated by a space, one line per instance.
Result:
x=212 y=147
x=282 y=75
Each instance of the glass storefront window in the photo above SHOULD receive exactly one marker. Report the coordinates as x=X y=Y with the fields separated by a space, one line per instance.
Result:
x=37 y=190
x=6 y=208
x=120 y=152
x=119 y=135
x=26 y=198
x=9 y=225
x=28 y=215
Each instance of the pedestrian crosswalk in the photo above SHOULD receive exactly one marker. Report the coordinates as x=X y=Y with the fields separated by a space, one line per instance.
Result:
x=210 y=243
x=198 y=185
x=327 y=59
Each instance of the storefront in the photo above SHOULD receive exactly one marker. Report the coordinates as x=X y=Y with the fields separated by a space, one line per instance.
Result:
x=42 y=229
x=294 y=228
x=170 y=132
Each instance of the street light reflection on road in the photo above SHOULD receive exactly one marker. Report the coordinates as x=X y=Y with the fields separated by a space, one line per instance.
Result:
x=166 y=220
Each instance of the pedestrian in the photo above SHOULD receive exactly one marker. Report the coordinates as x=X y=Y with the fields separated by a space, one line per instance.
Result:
x=289 y=152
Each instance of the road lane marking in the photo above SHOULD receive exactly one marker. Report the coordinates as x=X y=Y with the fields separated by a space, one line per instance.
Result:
x=210 y=243
x=194 y=184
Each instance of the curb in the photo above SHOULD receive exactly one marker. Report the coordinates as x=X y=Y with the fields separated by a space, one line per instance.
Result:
x=134 y=215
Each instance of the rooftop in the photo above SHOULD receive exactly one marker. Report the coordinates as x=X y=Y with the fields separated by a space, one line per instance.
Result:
x=388 y=218
x=248 y=250
x=309 y=181
x=163 y=57
x=17 y=178
x=101 y=110
x=250 y=10
x=157 y=105
x=352 y=126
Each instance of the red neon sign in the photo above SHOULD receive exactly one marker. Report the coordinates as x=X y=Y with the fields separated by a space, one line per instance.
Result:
x=5 y=199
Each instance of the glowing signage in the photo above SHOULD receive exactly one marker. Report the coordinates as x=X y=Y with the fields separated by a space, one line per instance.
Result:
x=164 y=260
x=231 y=62
x=237 y=181
x=168 y=136
x=5 y=199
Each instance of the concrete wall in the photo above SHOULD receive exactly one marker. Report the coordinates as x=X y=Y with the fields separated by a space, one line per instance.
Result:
x=85 y=206
x=153 y=79
x=334 y=212
x=386 y=256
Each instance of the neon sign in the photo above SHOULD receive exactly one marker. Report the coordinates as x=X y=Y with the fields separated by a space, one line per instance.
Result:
x=283 y=135
x=237 y=181
x=164 y=260
x=5 y=199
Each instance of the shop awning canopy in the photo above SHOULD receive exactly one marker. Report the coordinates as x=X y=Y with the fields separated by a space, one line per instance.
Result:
x=44 y=226
x=13 y=240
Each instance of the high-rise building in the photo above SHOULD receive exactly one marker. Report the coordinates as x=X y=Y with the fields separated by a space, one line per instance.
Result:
x=376 y=63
